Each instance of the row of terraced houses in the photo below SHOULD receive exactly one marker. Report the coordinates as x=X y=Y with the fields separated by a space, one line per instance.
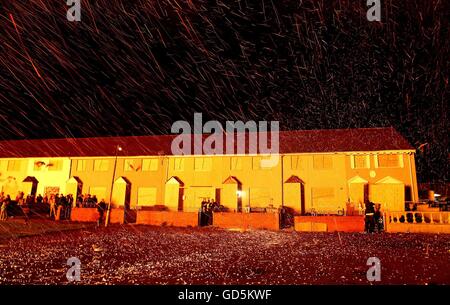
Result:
x=319 y=170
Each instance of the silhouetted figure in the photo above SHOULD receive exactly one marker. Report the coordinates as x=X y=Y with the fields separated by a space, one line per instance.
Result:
x=101 y=208
x=378 y=218
x=79 y=203
x=369 y=217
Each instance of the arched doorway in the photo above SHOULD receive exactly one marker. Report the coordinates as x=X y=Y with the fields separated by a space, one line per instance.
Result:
x=121 y=195
x=390 y=192
x=357 y=195
x=29 y=186
x=174 y=193
x=231 y=197
x=74 y=186
x=294 y=194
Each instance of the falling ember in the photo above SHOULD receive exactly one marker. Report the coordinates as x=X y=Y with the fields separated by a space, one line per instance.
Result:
x=90 y=93
x=27 y=54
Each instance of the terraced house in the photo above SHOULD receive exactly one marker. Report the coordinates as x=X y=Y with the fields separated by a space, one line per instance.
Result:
x=321 y=171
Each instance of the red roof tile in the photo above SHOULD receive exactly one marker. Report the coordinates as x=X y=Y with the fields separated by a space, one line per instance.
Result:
x=301 y=141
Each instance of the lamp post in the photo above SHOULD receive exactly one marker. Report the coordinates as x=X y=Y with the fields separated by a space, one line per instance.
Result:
x=118 y=149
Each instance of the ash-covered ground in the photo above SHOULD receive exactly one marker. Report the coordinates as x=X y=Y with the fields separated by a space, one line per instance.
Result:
x=165 y=255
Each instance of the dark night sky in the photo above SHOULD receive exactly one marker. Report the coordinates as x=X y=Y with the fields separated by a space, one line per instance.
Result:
x=134 y=67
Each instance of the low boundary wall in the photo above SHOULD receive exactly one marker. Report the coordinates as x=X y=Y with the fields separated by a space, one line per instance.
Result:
x=168 y=218
x=245 y=221
x=418 y=222
x=91 y=215
x=329 y=223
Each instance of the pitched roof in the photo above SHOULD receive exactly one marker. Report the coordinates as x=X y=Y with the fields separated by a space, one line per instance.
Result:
x=300 y=141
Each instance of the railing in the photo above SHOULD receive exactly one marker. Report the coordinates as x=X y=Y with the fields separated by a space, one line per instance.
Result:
x=417 y=217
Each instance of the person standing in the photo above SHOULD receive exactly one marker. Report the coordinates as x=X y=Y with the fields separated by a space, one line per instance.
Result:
x=79 y=202
x=378 y=218
x=4 y=208
x=369 y=217
x=52 y=202
x=62 y=206
x=39 y=200
x=69 y=205
x=101 y=208
x=20 y=199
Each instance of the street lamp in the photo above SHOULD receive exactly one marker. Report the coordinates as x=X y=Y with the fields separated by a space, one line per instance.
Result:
x=118 y=149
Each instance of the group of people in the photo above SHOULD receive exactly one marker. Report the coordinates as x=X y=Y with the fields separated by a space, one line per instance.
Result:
x=373 y=218
x=55 y=201
x=52 y=203
x=25 y=203
x=208 y=206
x=86 y=201
x=5 y=202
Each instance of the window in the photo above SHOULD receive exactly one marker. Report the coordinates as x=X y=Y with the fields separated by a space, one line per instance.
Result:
x=81 y=165
x=149 y=165
x=323 y=199
x=178 y=164
x=14 y=165
x=236 y=163
x=202 y=164
x=55 y=165
x=101 y=165
x=295 y=162
x=322 y=162
x=132 y=165
x=260 y=197
x=146 y=196
x=388 y=161
x=360 y=161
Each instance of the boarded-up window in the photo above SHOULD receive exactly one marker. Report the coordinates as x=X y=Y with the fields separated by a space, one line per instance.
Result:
x=178 y=164
x=236 y=163
x=149 y=165
x=388 y=161
x=322 y=162
x=295 y=162
x=81 y=165
x=14 y=165
x=99 y=191
x=323 y=198
x=202 y=164
x=195 y=195
x=101 y=165
x=55 y=165
x=260 y=197
x=146 y=196
x=132 y=165
x=361 y=161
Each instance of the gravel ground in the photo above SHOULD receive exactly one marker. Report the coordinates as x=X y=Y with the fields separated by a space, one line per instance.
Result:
x=165 y=255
